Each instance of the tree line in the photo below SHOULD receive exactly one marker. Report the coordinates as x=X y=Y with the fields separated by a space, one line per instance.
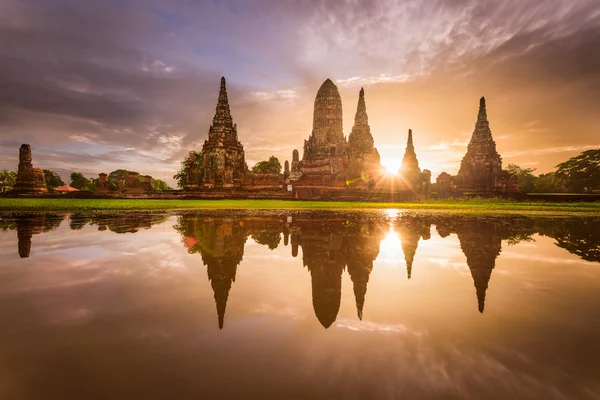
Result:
x=579 y=174
x=77 y=180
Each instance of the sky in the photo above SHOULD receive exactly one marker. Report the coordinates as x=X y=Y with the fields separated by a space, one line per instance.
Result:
x=101 y=85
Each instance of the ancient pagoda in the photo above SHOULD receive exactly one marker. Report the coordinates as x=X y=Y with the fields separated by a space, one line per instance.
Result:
x=363 y=157
x=413 y=179
x=223 y=161
x=481 y=167
x=325 y=148
x=29 y=179
x=410 y=164
x=482 y=163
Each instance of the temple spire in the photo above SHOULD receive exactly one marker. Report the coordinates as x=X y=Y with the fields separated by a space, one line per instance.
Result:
x=409 y=143
x=361 y=110
x=410 y=164
x=222 y=113
x=482 y=115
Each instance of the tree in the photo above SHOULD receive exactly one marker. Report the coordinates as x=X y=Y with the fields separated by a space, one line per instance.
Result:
x=78 y=181
x=272 y=166
x=581 y=172
x=197 y=158
x=7 y=180
x=53 y=180
x=549 y=183
x=159 y=184
x=525 y=175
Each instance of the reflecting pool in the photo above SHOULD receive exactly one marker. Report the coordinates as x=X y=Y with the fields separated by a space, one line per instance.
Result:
x=297 y=305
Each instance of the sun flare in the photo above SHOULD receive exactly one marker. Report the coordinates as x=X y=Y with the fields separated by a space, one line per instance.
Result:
x=390 y=165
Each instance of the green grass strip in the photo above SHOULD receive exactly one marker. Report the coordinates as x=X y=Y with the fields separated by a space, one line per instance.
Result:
x=462 y=206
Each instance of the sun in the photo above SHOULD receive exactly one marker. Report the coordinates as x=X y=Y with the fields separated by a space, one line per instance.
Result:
x=390 y=165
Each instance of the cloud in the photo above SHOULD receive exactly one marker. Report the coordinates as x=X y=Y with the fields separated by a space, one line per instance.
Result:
x=145 y=75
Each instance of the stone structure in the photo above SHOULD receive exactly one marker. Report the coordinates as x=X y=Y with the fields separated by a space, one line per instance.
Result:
x=261 y=181
x=127 y=182
x=295 y=172
x=481 y=167
x=330 y=163
x=133 y=184
x=418 y=181
x=121 y=181
x=29 y=179
x=223 y=162
x=286 y=170
x=147 y=184
x=482 y=162
x=363 y=157
x=104 y=185
x=410 y=164
x=323 y=161
x=445 y=184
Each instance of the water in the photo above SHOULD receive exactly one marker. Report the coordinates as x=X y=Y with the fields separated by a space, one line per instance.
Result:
x=299 y=305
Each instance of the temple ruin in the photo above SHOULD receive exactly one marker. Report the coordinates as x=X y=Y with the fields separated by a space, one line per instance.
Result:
x=363 y=157
x=481 y=167
x=128 y=182
x=330 y=167
x=223 y=162
x=29 y=180
x=323 y=160
x=330 y=162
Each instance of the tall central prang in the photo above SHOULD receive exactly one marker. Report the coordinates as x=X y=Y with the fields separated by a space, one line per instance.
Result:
x=325 y=147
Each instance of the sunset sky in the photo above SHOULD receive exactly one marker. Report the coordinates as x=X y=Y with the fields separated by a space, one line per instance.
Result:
x=95 y=86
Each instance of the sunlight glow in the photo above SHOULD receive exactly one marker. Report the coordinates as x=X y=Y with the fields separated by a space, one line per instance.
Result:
x=390 y=248
x=391 y=165
x=392 y=212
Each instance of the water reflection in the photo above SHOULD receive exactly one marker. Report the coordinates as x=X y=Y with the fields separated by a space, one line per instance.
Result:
x=29 y=225
x=339 y=242
x=330 y=244
x=400 y=296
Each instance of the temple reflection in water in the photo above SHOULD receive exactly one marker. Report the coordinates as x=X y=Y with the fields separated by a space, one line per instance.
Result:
x=340 y=242
x=331 y=243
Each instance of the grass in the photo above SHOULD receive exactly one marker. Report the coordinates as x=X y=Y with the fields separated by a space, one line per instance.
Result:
x=461 y=206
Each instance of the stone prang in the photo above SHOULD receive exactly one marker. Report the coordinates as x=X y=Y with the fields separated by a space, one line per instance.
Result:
x=482 y=161
x=363 y=157
x=29 y=179
x=223 y=163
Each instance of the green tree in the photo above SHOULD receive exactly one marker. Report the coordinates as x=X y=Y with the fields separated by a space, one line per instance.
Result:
x=159 y=184
x=581 y=172
x=78 y=181
x=525 y=175
x=195 y=157
x=53 y=180
x=7 y=180
x=272 y=166
x=549 y=183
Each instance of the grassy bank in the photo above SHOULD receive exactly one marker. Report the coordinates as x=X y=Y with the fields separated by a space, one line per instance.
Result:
x=466 y=206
